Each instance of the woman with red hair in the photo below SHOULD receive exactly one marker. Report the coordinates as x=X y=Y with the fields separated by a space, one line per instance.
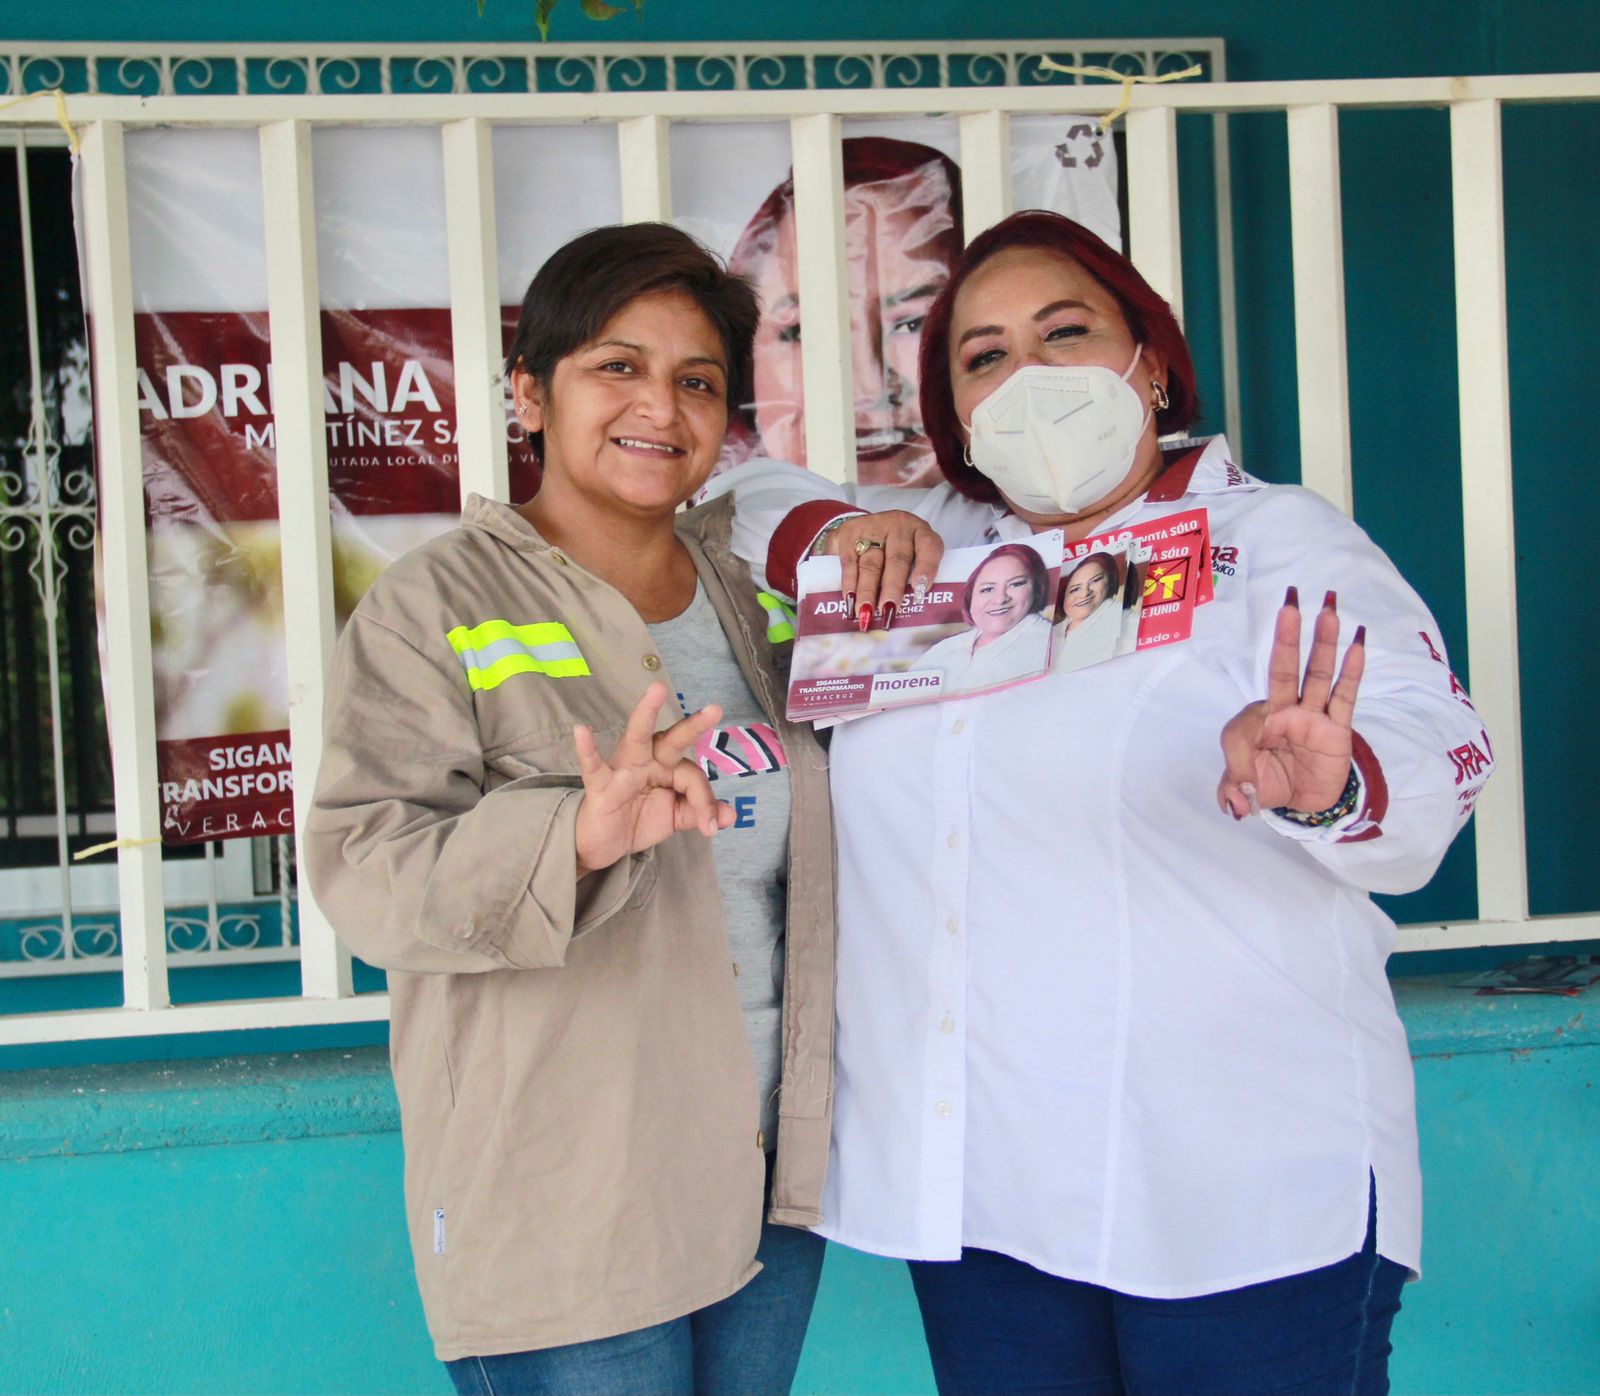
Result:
x=1119 y=1070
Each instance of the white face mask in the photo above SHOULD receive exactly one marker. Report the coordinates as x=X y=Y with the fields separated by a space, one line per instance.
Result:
x=1054 y=439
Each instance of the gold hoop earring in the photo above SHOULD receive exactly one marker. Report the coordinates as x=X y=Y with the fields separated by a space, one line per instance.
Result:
x=1158 y=397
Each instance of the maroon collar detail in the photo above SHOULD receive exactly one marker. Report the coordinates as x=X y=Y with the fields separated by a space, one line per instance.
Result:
x=1173 y=482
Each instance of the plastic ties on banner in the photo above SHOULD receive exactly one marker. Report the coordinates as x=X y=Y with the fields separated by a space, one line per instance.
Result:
x=1126 y=79
x=114 y=843
x=61 y=120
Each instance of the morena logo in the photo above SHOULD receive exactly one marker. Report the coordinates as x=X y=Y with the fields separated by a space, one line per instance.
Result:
x=905 y=683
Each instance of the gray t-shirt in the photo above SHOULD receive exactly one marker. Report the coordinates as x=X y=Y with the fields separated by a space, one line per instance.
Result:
x=747 y=767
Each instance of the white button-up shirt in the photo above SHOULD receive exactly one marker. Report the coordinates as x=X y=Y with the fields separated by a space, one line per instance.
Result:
x=1085 y=1018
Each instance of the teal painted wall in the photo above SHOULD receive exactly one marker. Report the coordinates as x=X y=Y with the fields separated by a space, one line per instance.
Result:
x=236 y=1226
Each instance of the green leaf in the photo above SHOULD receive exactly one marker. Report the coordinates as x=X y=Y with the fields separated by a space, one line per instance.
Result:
x=598 y=9
x=541 y=17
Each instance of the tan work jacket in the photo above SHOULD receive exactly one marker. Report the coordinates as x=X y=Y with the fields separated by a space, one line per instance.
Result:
x=578 y=1101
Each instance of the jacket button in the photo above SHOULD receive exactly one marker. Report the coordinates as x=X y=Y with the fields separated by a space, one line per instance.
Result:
x=761 y=1140
x=652 y=662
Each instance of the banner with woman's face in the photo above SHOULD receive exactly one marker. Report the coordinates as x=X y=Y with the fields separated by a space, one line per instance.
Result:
x=205 y=386
x=732 y=188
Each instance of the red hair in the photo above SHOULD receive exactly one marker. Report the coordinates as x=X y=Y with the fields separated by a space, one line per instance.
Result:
x=866 y=160
x=1149 y=318
x=1038 y=576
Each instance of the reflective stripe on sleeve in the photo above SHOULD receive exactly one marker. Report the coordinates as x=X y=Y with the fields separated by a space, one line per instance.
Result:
x=495 y=650
x=780 y=619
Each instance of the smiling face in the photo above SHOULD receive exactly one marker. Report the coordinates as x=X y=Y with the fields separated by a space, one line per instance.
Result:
x=1002 y=594
x=1028 y=305
x=633 y=421
x=1088 y=588
x=900 y=240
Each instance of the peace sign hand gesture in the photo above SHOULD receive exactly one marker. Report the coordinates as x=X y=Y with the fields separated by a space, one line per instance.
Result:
x=647 y=791
x=1294 y=749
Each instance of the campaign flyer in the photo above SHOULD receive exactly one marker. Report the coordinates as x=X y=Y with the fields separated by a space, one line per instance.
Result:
x=1159 y=570
x=985 y=623
x=1101 y=602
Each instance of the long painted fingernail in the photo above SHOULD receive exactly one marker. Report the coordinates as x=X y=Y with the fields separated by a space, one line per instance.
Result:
x=887 y=614
x=849 y=601
x=1361 y=635
x=919 y=589
x=1292 y=597
x=864 y=618
x=1330 y=602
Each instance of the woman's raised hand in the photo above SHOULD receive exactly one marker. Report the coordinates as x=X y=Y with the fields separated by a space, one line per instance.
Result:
x=881 y=557
x=647 y=791
x=1294 y=750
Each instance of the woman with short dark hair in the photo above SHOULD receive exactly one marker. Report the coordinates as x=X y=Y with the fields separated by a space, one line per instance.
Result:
x=598 y=1014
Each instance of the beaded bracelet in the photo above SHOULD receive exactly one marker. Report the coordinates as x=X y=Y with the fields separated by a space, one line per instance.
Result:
x=1324 y=819
x=819 y=543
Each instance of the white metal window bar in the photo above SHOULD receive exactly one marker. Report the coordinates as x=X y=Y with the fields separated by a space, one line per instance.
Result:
x=1474 y=104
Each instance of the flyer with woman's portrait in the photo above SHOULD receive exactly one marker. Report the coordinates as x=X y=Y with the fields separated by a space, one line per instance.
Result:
x=1131 y=589
x=1102 y=598
x=985 y=623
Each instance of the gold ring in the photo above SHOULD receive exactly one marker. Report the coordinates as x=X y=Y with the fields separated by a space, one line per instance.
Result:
x=864 y=545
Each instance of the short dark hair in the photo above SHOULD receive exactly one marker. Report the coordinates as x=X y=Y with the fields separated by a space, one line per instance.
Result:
x=1149 y=318
x=583 y=284
x=1038 y=576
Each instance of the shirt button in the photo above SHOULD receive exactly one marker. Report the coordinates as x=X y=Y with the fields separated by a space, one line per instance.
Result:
x=952 y=925
x=947 y=1025
x=652 y=662
x=735 y=969
x=943 y=1109
x=556 y=558
x=954 y=840
x=958 y=724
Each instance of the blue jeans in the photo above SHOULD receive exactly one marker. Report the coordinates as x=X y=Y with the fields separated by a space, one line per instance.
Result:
x=745 y=1345
x=996 y=1325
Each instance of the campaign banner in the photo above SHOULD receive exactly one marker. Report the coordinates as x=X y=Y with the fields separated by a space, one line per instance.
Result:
x=202 y=344
x=732 y=187
x=203 y=351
